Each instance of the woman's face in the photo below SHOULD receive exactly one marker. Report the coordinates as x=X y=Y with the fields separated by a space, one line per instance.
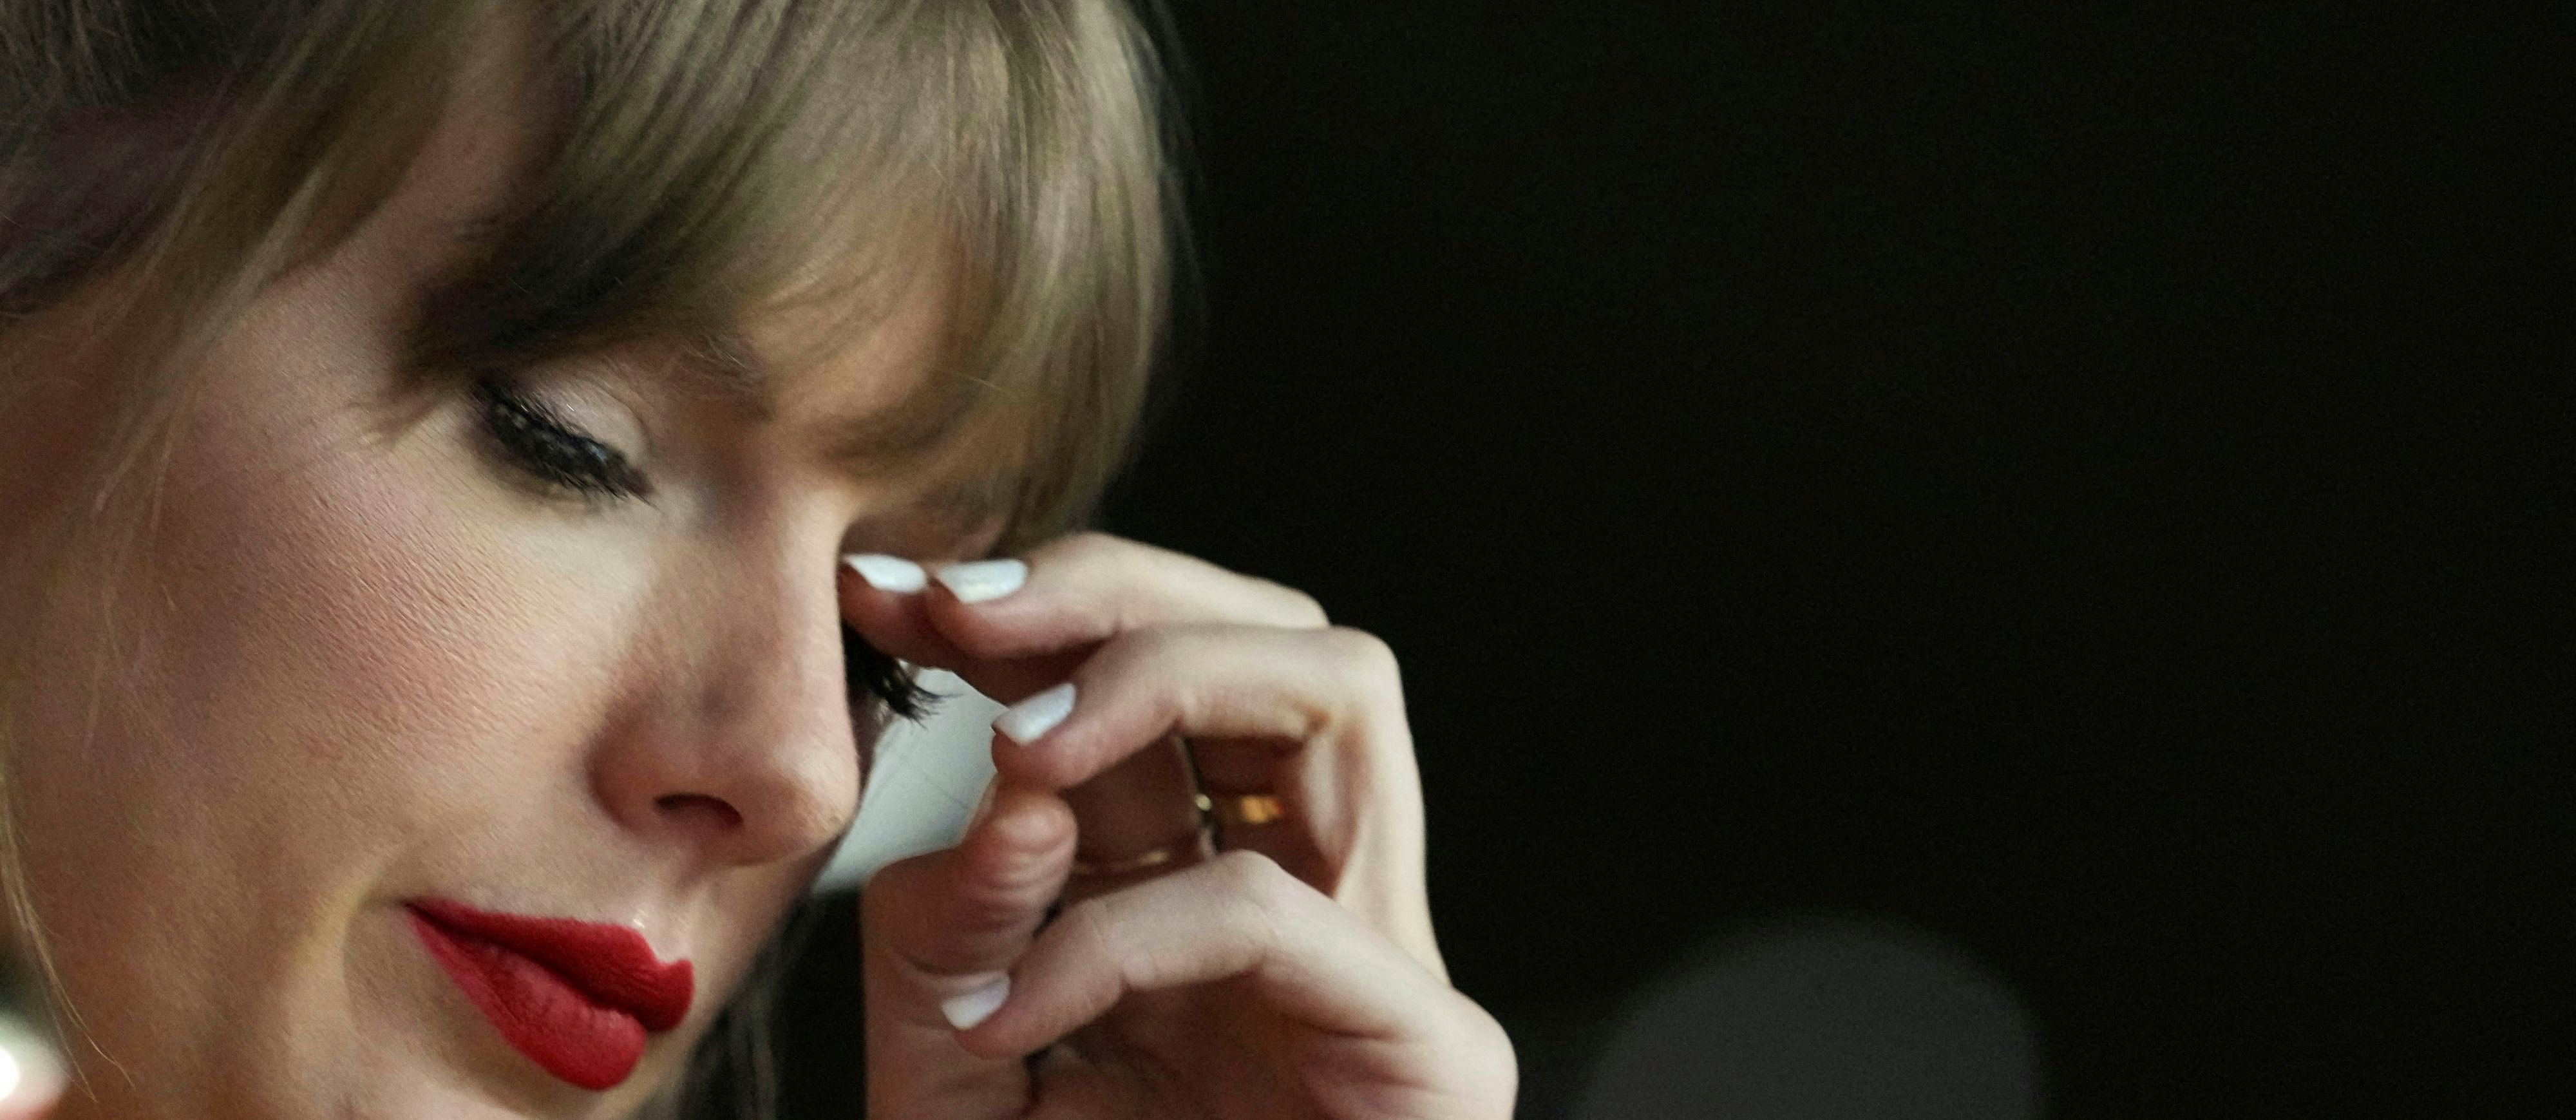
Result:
x=383 y=671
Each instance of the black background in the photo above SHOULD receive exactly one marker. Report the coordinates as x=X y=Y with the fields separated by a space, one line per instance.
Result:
x=2083 y=484
x=2071 y=481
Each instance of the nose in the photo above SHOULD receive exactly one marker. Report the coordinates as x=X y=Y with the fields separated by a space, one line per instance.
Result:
x=739 y=744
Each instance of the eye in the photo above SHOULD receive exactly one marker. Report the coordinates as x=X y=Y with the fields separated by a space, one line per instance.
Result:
x=882 y=679
x=552 y=450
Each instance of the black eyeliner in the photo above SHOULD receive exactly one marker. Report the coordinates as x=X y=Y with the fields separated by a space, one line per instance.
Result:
x=553 y=449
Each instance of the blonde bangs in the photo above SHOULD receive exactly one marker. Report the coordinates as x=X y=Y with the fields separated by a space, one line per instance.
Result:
x=833 y=157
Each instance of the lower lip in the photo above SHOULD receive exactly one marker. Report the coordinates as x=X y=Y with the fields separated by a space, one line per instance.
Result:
x=553 y=1023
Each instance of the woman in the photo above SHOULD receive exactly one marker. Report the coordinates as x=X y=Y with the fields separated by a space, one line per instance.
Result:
x=475 y=476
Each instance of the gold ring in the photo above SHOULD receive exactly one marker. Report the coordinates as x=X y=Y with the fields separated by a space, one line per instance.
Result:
x=1203 y=837
x=1229 y=810
x=1238 y=809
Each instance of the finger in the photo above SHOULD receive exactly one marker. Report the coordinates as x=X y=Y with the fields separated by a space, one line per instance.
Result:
x=970 y=908
x=940 y=931
x=1238 y=917
x=1086 y=588
x=1284 y=687
x=881 y=599
x=1013 y=626
x=1313 y=718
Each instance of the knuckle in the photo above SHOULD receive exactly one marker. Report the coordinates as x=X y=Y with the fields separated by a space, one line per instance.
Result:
x=1176 y=665
x=1086 y=923
x=1157 y=650
x=1089 y=930
x=979 y=905
x=1140 y=667
x=984 y=911
x=1255 y=878
x=1260 y=902
x=1300 y=607
x=1082 y=548
x=1486 y=1048
x=1365 y=658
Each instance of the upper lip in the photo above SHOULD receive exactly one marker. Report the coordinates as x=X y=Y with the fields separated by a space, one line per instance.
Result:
x=613 y=965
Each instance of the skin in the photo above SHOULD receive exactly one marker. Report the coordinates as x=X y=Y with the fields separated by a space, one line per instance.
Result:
x=378 y=664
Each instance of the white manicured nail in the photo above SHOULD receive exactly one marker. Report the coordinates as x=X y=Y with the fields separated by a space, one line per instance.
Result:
x=976 y=1006
x=1035 y=716
x=887 y=573
x=984 y=579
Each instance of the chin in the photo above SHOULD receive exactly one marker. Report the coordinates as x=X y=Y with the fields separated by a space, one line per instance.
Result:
x=397 y=1080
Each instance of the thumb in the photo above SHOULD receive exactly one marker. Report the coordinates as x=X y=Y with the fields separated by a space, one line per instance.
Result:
x=938 y=933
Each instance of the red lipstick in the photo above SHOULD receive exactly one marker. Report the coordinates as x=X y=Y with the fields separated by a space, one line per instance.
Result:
x=576 y=997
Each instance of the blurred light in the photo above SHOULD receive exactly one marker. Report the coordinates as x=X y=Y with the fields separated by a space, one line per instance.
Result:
x=31 y=1075
x=1829 y=1020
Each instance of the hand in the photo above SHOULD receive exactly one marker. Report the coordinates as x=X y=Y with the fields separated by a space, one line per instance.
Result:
x=1292 y=975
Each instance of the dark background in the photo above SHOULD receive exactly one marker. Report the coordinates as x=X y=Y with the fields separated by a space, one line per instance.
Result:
x=2083 y=484
x=2062 y=479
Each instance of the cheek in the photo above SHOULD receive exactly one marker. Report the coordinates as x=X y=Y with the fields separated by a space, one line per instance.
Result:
x=341 y=668
x=356 y=648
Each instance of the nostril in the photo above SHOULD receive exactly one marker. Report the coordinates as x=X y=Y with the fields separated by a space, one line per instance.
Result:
x=699 y=805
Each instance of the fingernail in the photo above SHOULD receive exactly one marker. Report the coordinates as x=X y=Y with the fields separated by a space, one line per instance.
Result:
x=984 y=579
x=1035 y=716
x=976 y=1006
x=886 y=573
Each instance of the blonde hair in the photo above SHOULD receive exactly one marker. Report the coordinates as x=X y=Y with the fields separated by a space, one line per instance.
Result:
x=707 y=160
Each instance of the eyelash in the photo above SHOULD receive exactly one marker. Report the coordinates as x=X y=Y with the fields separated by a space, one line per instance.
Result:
x=550 y=450
x=874 y=674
